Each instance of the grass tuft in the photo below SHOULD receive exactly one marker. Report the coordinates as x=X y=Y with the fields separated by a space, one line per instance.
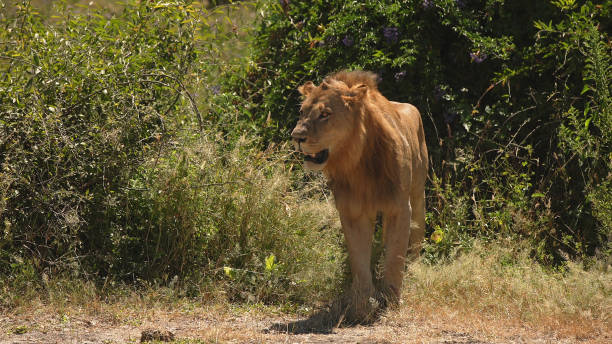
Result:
x=501 y=281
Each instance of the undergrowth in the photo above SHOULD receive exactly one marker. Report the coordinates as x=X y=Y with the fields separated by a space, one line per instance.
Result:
x=142 y=151
x=197 y=218
x=501 y=281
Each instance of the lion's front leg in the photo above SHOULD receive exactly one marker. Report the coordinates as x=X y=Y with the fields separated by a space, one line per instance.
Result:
x=396 y=241
x=358 y=234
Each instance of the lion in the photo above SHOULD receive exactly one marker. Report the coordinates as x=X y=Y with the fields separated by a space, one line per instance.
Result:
x=374 y=156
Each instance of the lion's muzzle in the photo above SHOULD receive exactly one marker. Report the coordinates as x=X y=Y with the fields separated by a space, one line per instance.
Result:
x=318 y=158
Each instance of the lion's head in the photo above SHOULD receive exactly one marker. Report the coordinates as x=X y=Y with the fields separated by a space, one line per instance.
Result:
x=330 y=117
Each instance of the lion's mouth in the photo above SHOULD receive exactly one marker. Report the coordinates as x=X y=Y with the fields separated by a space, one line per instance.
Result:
x=318 y=158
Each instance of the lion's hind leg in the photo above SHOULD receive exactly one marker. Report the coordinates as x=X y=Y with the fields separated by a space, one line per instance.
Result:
x=417 y=224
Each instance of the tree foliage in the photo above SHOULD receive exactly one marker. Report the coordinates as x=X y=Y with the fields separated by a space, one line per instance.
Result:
x=514 y=96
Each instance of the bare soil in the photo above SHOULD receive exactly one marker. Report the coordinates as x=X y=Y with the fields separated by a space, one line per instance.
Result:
x=221 y=324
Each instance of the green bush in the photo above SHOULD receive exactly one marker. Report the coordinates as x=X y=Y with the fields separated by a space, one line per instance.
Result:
x=586 y=133
x=505 y=89
x=108 y=172
x=84 y=99
x=211 y=209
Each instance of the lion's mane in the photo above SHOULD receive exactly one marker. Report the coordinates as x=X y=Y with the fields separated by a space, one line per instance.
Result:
x=369 y=162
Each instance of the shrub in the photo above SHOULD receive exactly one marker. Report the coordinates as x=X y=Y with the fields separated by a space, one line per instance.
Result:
x=84 y=100
x=586 y=134
x=108 y=170
x=495 y=86
x=211 y=209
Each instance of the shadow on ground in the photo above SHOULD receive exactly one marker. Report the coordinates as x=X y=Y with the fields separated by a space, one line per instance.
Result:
x=321 y=322
x=324 y=321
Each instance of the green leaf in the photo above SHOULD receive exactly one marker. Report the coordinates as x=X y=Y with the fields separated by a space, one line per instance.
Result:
x=585 y=89
x=270 y=262
x=229 y=272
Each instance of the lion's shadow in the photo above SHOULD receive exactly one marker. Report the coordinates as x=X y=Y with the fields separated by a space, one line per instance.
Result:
x=320 y=322
x=323 y=321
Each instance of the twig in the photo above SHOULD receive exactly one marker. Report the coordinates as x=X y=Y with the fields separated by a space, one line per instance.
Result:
x=485 y=92
x=193 y=103
x=221 y=183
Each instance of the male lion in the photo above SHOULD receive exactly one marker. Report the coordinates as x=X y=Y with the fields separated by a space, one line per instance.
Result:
x=373 y=153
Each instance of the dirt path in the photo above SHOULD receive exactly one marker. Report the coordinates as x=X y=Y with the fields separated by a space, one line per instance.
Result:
x=219 y=325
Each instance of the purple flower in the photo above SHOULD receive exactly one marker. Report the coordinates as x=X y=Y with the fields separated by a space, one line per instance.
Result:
x=428 y=3
x=460 y=3
x=478 y=57
x=391 y=34
x=348 y=41
x=399 y=75
x=215 y=89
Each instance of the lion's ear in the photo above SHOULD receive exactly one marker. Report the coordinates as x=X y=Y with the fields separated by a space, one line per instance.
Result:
x=355 y=94
x=306 y=88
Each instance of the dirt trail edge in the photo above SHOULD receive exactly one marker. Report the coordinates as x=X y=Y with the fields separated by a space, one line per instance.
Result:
x=213 y=325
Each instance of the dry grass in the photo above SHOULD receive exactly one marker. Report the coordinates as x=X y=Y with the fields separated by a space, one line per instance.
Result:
x=499 y=284
x=491 y=294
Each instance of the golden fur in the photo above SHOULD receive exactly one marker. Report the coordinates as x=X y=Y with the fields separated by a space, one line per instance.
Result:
x=374 y=155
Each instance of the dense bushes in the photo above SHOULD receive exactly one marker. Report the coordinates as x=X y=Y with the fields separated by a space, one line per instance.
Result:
x=83 y=100
x=514 y=95
x=125 y=156
x=108 y=171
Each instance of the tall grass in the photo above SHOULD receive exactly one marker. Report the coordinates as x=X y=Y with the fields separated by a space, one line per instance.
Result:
x=213 y=214
x=501 y=281
x=232 y=209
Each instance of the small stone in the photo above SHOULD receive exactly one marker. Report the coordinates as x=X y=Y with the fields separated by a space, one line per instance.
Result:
x=149 y=335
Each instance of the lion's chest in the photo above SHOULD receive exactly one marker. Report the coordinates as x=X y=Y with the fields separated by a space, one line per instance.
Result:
x=356 y=199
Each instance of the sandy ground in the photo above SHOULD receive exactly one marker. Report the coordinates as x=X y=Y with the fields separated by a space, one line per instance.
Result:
x=218 y=324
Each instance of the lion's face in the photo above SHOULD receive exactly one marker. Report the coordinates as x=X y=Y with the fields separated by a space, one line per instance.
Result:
x=326 y=122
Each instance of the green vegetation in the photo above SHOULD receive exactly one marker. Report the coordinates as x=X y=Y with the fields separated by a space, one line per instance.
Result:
x=515 y=97
x=109 y=171
x=144 y=144
x=84 y=101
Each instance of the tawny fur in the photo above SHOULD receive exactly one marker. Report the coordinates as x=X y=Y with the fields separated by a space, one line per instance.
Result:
x=369 y=162
x=377 y=163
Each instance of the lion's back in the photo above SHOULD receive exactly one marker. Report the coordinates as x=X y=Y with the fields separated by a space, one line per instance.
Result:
x=411 y=127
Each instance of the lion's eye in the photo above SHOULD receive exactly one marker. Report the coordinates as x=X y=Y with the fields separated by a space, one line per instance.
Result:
x=325 y=114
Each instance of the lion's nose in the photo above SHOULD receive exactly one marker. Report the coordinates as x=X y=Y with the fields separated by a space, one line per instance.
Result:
x=298 y=134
